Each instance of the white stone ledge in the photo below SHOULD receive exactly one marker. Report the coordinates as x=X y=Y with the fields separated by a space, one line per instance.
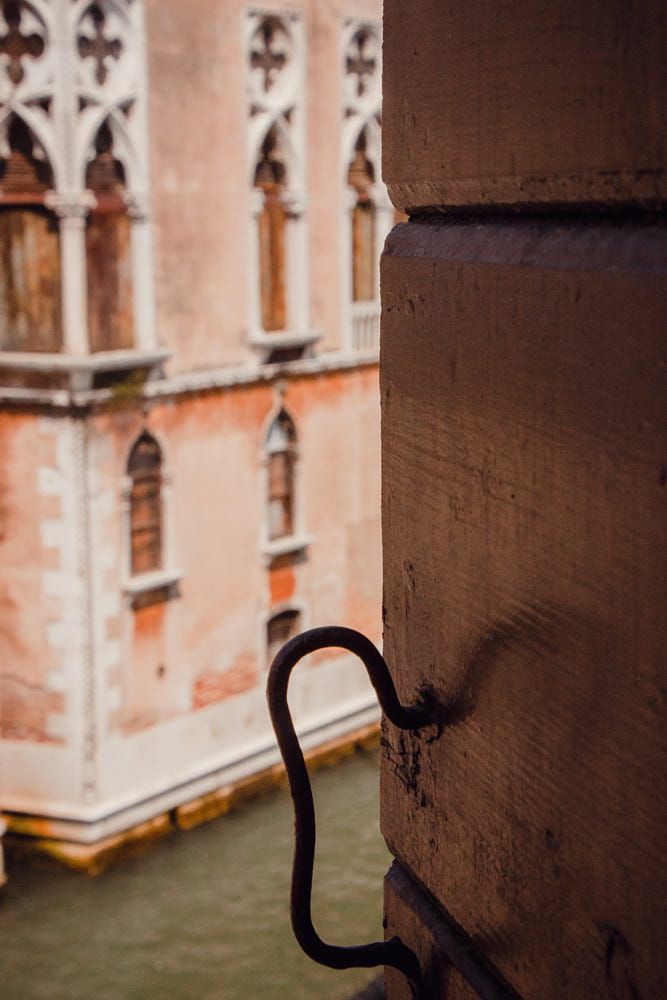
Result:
x=265 y=343
x=145 y=584
x=292 y=545
x=185 y=383
x=79 y=369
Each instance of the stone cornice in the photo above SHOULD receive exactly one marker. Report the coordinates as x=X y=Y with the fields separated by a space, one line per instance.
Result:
x=183 y=383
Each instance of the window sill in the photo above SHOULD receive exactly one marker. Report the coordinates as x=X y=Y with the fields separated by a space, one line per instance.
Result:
x=294 y=346
x=78 y=372
x=153 y=588
x=293 y=546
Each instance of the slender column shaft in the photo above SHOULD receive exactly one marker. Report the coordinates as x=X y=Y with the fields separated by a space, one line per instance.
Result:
x=297 y=262
x=72 y=214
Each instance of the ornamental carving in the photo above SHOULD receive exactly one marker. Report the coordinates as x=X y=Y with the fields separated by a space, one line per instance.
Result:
x=22 y=39
x=65 y=92
x=275 y=87
x=362 y=68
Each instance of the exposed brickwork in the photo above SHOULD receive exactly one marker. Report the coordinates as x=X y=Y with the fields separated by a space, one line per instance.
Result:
x=211 y=686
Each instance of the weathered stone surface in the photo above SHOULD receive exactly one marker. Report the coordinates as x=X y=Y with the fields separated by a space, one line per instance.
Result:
x=524 y=544
x=538 y=102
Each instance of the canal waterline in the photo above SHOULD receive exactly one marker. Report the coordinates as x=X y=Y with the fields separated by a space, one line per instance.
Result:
x=203 y=915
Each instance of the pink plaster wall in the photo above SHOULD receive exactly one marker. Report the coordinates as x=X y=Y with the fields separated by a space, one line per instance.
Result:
x=209 y=643
x=26 y=658
x=198 y=119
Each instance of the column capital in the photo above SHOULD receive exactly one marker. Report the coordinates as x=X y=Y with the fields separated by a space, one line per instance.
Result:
x=380 y=197
x=294 y=202
x=350 y=199
x=70 y=205
x=138 y=206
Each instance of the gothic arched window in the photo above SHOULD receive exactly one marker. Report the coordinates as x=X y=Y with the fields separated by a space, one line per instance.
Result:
x=281 y=458
x=279 y=629
x=360 y=178
x=108 y=251
x=30 y=298
x=144 y=470
x=270 y=179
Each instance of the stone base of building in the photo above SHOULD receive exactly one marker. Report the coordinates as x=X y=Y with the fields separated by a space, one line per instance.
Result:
x=23 y=841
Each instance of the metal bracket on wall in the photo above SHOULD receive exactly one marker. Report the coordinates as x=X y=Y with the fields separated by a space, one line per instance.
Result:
x=393 y=952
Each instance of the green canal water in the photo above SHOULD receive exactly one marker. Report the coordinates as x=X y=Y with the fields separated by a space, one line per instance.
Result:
x=203 y=915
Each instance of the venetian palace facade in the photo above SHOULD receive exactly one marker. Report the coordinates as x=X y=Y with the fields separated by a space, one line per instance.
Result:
x=191 y=215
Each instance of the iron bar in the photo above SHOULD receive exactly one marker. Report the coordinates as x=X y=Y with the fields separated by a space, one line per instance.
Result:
x=393 y=952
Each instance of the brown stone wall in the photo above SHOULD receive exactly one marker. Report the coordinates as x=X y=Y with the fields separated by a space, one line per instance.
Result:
x=549 y=102
x=523 y=441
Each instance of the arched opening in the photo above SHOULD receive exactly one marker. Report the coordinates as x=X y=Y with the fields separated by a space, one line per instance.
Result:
x=360 y=178
x=281 y=458
x=144 y=469
x=279 y=629
x=30 y=296
x=108 y=251
x=270 y=177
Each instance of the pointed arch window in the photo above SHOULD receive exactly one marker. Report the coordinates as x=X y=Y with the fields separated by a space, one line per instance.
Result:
x=30 y=303
x=281 y=460
x=279 y=628
x=278 y=288
x=361 y=178
x=270 y=180
x=75 y=246
x=144 y=470
x=108 y=251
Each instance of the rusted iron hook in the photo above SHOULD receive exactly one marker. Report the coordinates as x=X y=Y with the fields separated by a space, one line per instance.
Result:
x=392 y=952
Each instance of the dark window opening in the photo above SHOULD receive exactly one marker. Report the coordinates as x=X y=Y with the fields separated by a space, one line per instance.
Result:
x=144 y=468
x=279 y=629
x=108 y=252
x=30 y=291
x=361 y=177
x=270 y=179
x=281 y=449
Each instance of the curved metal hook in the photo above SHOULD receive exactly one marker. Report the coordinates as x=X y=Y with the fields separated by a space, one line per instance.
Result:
x=392 y=952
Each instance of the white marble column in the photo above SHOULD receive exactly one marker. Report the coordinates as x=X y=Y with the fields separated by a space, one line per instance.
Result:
x=72 y=212
x=253 y=269
x=298 y=286
x=384 y=223
x=349 y=202
x=142 y=274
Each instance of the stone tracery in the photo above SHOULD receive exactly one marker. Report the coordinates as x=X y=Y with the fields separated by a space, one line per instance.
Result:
x=367 y=213
x=70 y=69
x=277 y=262
x=18 y=40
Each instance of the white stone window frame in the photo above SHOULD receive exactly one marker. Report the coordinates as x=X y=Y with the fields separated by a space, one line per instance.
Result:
x=298 y=542
x=361 y=320
x=138 y=586
x=282 y=107
x=65 y=133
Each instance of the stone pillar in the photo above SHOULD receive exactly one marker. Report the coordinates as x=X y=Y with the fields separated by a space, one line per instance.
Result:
x=296 y=265
x=349 y=201
x=253 y=271
x=142 y=275
x=384 y=222
x=72 y=212
x=523 y=444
